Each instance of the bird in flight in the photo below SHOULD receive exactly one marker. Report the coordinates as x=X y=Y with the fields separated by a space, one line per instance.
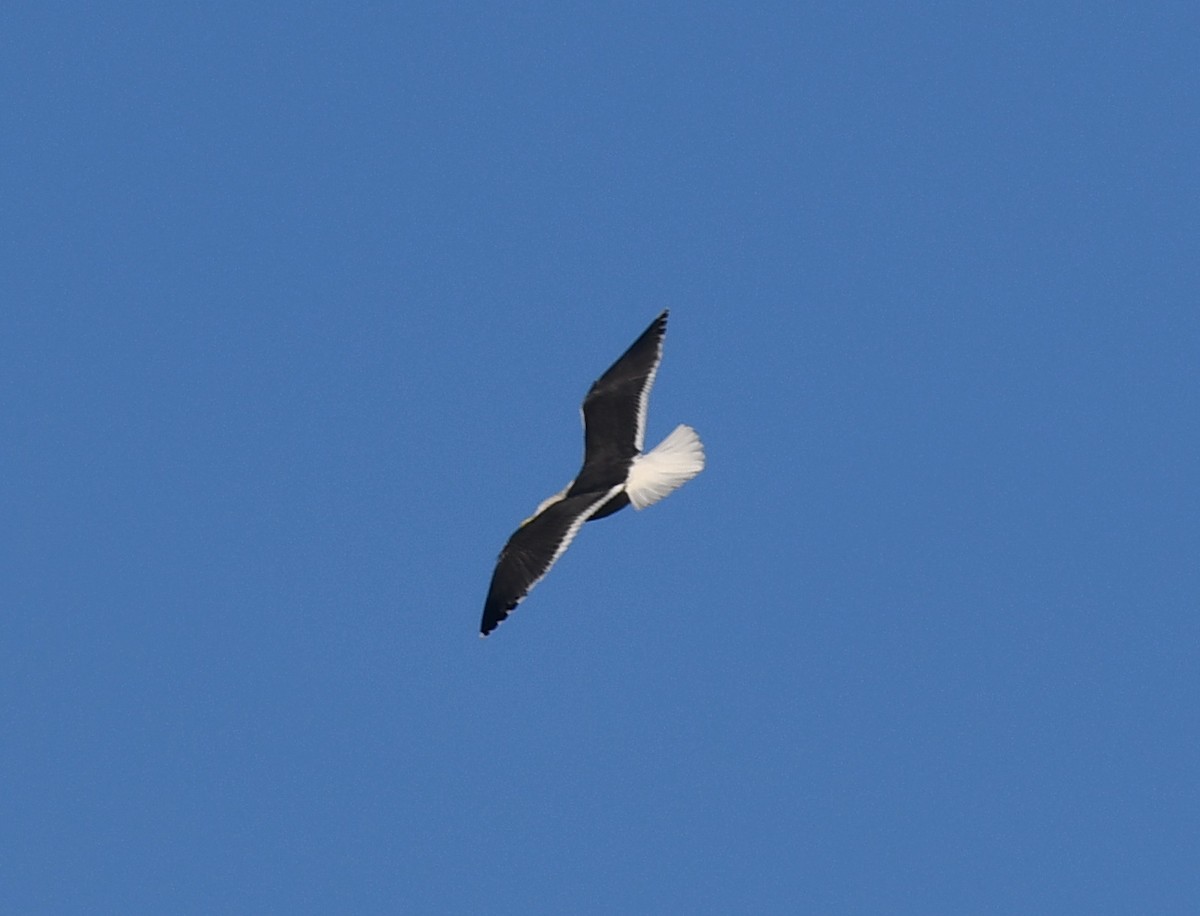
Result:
x=615 y=474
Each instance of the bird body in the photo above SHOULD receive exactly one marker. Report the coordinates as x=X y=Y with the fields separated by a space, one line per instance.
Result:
x=615 y=474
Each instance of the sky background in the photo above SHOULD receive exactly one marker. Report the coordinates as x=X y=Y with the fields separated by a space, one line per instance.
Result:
x=298 y=303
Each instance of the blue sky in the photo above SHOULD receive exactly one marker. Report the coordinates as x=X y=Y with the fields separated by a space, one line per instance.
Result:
x=299 y=305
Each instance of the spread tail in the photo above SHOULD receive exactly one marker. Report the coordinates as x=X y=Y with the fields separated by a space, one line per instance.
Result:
x=663 y=470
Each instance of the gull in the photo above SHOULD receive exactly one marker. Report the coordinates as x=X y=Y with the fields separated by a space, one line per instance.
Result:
x=616 y=473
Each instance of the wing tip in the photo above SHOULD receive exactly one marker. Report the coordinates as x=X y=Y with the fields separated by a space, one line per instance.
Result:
x=487 y=628
x=493 y=620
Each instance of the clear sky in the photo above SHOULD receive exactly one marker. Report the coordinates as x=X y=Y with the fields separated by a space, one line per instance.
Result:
x=298 y=303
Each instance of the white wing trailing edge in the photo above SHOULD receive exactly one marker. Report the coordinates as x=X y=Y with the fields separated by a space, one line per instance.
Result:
x=663 y=470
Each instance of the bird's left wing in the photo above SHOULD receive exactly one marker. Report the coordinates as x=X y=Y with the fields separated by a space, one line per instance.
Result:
x=533 y=549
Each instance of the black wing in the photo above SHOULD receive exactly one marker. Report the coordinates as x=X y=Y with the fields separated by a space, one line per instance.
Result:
x=614 y=411
x=532 y=550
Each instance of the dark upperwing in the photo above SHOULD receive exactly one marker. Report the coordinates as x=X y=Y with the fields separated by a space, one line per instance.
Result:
x=532 y=550
x=612 y=409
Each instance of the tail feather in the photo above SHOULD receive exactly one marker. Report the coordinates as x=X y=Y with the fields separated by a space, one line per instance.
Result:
x=663 y=470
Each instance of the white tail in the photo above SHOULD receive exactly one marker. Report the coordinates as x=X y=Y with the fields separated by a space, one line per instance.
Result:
x=662 y=471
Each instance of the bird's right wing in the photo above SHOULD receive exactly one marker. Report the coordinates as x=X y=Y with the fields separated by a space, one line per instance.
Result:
x=533 y=549
x=614 y=411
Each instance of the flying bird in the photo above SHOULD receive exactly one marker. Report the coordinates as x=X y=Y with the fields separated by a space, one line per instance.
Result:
x=615 y=474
